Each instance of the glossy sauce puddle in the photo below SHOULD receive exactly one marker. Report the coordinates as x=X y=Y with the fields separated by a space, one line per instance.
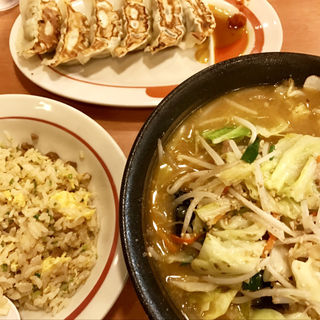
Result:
x=229 y=41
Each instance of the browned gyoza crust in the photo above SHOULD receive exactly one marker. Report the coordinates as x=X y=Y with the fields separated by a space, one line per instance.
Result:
x=200 y=21
x=48 y=29
x=107 y=32
x=168 y=25
x=152 y=25
x=74 y=37
x=136 y=14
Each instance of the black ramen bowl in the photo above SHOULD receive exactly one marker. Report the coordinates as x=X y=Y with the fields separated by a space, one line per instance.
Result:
x=212 y=82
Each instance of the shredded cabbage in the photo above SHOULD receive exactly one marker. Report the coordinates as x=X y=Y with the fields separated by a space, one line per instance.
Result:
x=232 y=256
x=265 y=314
x=279 y=261
x=307 y=276
x=215 y=303
x=211 y=212
x=253 y=232
x=236 y=174
x=257 y=216
x=235 y=222
x=288 y=208
x=290 y=172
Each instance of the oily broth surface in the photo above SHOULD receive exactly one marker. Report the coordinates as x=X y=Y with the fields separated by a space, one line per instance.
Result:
x=271 y=108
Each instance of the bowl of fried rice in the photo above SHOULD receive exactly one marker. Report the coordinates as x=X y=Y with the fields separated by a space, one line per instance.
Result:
x=60 y=174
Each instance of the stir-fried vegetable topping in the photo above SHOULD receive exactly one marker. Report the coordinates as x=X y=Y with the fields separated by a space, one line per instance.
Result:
x=251 y=152
x=245 y=219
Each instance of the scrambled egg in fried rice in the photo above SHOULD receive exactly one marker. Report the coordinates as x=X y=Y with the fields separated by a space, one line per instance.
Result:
x=48 y=228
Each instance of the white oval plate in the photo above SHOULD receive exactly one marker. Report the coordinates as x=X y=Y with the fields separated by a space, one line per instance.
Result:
x=68 y=132
x=139 y=79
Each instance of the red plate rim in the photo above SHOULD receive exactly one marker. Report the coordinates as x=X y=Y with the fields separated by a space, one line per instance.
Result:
x=107 y=266
x=162 y=91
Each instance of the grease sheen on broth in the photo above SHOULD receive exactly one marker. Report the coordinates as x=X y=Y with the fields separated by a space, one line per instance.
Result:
x=270 y=107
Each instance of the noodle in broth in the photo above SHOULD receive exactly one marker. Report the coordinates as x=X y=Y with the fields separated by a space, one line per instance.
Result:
x=232 y=221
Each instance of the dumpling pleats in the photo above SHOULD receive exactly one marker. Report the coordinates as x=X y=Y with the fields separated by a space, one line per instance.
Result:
x=76 y=31
x=168 y=26
x=200 y=23
x=137 y=27
x=74 y=37
x=106 y=32
x=41 y=22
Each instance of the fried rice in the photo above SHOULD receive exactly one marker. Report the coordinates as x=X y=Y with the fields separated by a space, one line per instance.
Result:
x=48 y=228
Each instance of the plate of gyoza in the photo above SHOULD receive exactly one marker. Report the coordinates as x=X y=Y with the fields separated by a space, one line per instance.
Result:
x=132 y=53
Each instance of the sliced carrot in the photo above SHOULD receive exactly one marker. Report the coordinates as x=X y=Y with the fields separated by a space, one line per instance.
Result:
x=269 y=245
x=185 y=240
x=318 y=159
x=271 y=240
x=226 y=190
x=216 y=219
x=170 y=245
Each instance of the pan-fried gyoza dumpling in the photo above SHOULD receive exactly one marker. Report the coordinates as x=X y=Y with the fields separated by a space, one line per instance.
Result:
x=137 y=27
x=41 y=23
x=106 y=32
x=74 y=38
x=168 y=26
x=199 y=21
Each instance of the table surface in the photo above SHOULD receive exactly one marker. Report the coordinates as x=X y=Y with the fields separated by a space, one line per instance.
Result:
x=301 y=25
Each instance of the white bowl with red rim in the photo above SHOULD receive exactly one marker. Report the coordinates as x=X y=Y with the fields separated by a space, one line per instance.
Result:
x=74 y=135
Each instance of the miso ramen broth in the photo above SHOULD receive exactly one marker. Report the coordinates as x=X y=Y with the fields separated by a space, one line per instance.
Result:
x=232 y=219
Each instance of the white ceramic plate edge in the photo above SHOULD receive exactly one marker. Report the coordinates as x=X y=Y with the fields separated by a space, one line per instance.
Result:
x=116 y=277
x=125 y=96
